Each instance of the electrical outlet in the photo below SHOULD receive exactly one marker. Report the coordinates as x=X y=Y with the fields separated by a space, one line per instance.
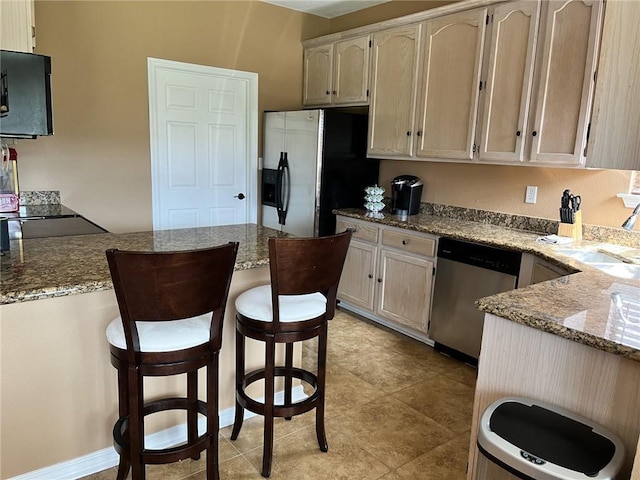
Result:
x=531 y=195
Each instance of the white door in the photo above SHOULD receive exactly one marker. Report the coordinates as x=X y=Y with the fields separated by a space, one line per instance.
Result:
x=203 y=129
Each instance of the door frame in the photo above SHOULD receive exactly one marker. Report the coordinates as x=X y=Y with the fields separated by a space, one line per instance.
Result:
x=251 y=81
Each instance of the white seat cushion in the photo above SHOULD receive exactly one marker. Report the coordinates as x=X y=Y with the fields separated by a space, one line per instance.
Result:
x=256 y=303
x=164 y=336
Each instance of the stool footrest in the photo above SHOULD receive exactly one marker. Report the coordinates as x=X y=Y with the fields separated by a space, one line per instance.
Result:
x=165 y=455
x=284 y=410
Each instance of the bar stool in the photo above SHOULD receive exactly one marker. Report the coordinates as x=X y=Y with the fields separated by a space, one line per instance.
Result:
x=172 y=308
x=296 y=306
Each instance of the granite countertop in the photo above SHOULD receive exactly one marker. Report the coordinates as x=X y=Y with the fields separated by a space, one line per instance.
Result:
x=588 y=306
x=57 y=266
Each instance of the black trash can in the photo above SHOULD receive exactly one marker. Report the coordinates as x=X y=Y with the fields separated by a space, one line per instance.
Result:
x=535 y=440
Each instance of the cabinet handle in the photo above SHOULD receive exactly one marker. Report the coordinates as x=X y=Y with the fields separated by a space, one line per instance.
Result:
x=405 y=242
x=518 y=133
x=370 y=276
x=327 y=92
x=379 y=280
x=419 y=133
x=408 y=134
x=534 y=133
x=335 y=93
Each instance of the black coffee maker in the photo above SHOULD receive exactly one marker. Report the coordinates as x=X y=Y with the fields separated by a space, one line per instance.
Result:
x=406 y=192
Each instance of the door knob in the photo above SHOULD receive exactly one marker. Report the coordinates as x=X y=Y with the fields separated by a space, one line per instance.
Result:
x=239 y=196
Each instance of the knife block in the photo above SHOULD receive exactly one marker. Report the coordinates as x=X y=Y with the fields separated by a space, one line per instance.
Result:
x=573 y=230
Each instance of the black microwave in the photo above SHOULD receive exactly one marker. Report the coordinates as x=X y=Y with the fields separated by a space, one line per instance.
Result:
x=25 y=95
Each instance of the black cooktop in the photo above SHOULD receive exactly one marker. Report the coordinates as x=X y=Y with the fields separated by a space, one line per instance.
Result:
x=53 y=220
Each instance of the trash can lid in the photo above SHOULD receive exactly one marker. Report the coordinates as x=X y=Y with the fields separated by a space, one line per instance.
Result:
x=528 y=435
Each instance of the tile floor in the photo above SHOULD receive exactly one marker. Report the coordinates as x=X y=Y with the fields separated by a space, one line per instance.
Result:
x=395 y=409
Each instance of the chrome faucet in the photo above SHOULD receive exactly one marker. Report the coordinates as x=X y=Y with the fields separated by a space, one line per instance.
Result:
x=630 y=222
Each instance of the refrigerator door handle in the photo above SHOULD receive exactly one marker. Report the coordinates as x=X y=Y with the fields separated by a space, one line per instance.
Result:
x=283 y=191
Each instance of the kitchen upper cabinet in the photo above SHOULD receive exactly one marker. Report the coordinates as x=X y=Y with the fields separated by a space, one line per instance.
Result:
x=615 y=132
x=539 y=82
x=388 y=275
x=564 y=87
x=17 y=25
x=338 y=73
x=508 y=81
x=393 y=91
x=449 y=85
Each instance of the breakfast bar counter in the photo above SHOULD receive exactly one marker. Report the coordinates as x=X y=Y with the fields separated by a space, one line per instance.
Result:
x=59 y=390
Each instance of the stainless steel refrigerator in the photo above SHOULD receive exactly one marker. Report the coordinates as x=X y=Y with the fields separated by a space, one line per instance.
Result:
x=314 y=161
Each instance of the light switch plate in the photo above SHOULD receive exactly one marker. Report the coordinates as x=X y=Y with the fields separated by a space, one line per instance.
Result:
x=532 y=195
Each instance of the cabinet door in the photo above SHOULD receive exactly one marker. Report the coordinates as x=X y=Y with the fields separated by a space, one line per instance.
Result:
x=615 y=136
x=565 y=83
x=351 y=72
x=393 y=87
x=404 y=292
x=17 y=25
x=357 y=282
x=508 y=81
x=452 y=62
x=318 y=74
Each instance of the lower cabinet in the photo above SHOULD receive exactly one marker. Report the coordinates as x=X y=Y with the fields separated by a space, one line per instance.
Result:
x=534 y=270
x=388 y=275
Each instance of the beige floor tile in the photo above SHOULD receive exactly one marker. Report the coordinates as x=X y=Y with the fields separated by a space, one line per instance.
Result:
x=445 y=462
x=298 y=457
x=252 y=431
x=465 y=374
x=390 y=430
x=345 y=391
x=448 y=402
x=238 y=468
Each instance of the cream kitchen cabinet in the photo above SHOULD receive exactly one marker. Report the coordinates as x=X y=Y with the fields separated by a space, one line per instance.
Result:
x=17 y=25
x=615 y=135
x=508 y=81
x=449 y=85
x=566 y=65
x=539 y=82
x=388 y=276
x=394 y=77
x=425 y=90
x=337 y=73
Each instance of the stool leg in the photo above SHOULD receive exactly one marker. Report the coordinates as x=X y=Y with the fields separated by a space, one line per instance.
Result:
x=136 y=423
x=192 y=412
x=322 y=363
x=239 y=414
x=123 y=410
x=213 y=421
x=267 y=450
x=288 y=379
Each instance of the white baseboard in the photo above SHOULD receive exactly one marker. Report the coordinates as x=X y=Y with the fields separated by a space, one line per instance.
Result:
x=107 y=457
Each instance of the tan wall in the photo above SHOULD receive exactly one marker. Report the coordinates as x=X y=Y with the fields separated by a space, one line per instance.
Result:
x=502 y=188
x=99 y=155
x=59 y=390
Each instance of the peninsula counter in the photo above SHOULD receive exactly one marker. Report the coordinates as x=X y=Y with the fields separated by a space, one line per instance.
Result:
x=58 y=389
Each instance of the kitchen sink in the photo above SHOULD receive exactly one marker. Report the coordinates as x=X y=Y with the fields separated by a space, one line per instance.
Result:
x=606 y=263
x=589 y=256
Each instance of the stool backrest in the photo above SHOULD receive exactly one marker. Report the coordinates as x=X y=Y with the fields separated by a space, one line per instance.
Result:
x=307 y=265
x=165 y=286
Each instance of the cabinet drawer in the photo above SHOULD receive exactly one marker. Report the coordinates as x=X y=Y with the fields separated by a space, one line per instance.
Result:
x=409 y=243
x=361 y=232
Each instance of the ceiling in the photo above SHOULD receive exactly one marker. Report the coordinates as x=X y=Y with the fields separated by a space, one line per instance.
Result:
x=326 y=8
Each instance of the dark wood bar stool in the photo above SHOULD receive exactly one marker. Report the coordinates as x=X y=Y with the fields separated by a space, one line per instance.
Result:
x=296 y=306
x=172 y=308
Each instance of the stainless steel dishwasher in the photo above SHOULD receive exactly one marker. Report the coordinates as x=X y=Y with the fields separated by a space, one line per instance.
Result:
x=466 y=272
